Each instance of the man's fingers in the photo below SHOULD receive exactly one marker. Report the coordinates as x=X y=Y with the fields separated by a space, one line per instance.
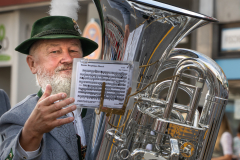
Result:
x=62 y=112
x=53 y=98
x=47 y=92
x=59 y=105
x=63 y=121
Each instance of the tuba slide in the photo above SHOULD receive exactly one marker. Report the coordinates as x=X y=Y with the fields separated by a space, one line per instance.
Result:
x=147 y=31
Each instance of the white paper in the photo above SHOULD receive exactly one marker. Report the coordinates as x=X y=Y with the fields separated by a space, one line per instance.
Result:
x=132 y=44
x=89 y=79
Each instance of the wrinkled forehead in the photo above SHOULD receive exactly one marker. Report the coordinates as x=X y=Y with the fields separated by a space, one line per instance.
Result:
x=60 y=42
x=47 y=43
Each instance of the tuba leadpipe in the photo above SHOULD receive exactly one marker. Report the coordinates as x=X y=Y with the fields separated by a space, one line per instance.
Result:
x=147 y=31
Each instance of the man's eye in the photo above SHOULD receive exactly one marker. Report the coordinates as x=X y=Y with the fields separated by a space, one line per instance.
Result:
x=54 y=51
x=73 y=51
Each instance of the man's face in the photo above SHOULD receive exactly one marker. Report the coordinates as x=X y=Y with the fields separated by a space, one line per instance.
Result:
x=53 y=62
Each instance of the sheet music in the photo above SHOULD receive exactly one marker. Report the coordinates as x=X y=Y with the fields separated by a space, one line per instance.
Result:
x=89 y=80
x=132 y=43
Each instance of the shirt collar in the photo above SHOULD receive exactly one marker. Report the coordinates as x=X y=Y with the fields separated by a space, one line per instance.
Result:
x=40 y=93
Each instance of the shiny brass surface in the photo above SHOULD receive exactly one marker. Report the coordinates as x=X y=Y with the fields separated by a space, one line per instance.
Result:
x=147 y=31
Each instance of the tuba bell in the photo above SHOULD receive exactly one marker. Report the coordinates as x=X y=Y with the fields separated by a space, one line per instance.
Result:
x=147 y=31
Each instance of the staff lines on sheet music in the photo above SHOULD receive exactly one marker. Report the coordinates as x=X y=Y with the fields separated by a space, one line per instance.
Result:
x=82 y=75
x=104 y=72
x=100 y=83
x=114 y=82
x=111 y=98
x=113 y=85
x=110 y=78
x=86 y=101
x=99 y=90
x=94 y=86
x=99 y=94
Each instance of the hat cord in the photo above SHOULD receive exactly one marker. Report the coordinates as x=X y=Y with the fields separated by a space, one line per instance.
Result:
x=57 y=31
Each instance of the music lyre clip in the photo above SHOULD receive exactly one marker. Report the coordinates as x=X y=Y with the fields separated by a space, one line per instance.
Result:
x=110 y=111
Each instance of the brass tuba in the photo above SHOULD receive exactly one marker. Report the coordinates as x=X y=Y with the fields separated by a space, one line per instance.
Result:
x=147 y=31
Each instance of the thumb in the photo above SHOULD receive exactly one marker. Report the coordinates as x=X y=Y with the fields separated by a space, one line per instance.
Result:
x=47 y=92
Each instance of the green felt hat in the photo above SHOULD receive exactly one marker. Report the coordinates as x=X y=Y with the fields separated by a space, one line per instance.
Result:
x=56 y=27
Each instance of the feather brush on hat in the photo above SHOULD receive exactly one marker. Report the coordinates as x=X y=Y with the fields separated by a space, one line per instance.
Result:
x=61 y=24
x=68 y=8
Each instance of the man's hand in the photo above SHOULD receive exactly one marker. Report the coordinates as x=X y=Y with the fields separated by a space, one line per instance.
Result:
x=44 y=118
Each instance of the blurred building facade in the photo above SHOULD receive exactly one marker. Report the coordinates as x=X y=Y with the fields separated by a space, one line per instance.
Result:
x=226 y=52
x=221 y=41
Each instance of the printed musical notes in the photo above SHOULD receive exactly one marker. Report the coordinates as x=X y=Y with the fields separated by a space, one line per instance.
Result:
x=90 y=76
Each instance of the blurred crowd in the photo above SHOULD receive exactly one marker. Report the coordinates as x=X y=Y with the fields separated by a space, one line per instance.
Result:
x=227 y=147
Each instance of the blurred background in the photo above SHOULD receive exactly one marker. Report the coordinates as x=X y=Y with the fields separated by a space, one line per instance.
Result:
x=220 y=41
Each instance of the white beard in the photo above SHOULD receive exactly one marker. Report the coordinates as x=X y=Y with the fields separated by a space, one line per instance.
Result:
x=59 y=83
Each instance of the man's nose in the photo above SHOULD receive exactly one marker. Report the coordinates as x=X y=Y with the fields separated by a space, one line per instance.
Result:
x=66 y=57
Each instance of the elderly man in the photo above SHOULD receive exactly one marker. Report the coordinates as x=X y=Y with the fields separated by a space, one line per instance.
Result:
x=37 y=127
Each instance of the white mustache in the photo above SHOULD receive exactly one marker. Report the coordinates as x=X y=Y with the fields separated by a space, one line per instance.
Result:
x=63 y=67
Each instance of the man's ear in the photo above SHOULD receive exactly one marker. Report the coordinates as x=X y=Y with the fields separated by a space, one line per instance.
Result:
x=32 y=63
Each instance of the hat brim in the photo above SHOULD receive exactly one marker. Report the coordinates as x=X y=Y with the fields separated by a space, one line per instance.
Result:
x=88 y=46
